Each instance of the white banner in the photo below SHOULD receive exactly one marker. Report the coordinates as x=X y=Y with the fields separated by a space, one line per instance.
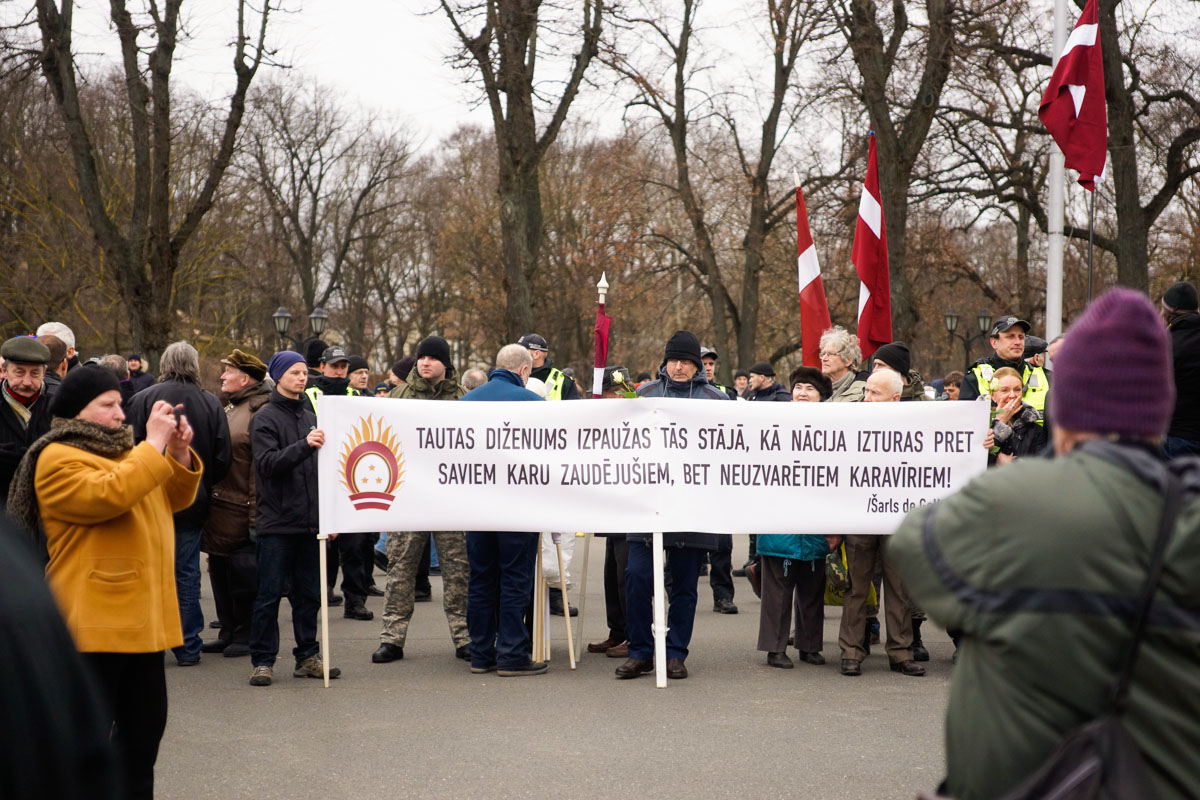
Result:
x=644 y=465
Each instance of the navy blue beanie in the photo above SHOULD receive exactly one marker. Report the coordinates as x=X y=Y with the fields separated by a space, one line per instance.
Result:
x=281 y=361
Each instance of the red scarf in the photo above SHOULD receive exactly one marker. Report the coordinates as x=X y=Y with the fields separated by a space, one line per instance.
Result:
x=25 y=401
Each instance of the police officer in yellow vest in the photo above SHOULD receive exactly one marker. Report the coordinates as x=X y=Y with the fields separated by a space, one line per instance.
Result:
x=1007 y=338
x=558 y=385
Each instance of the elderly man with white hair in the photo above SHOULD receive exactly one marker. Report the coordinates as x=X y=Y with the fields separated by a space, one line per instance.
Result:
x=179 y=385
x=502 y=564
x=67 y=336
x=863 y=555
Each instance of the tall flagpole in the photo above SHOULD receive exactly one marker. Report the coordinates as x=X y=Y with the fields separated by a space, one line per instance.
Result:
x=1058 y=183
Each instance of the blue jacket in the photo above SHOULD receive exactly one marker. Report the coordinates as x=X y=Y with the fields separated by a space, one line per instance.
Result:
x=501 y=385
x=700 y=389
x=794 y=546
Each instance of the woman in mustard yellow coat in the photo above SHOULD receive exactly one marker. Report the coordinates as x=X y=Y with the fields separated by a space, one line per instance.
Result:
x=105 y=508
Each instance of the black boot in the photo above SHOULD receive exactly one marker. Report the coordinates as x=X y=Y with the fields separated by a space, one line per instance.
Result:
x=918 y=647
x=556 y=604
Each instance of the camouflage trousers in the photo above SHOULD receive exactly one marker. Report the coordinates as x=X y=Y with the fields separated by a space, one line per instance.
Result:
x=404 y=556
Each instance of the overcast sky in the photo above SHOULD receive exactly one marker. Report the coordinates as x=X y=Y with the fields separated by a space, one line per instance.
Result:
x=385 y=57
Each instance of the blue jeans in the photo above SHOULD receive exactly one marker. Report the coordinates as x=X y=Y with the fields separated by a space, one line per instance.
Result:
x=683 y=564
x=286 y=562
x=498 y=593
x=187 y=588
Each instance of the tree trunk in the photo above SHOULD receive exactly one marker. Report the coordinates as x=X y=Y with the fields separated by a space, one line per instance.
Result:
x=521 y=241
x=1132 y=259
x=1025 y=302
x=894 y=178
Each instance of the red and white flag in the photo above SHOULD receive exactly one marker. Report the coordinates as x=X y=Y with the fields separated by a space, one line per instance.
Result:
x=1073 y=108
x=600 y=358
x=814 y=310
x=870 y=258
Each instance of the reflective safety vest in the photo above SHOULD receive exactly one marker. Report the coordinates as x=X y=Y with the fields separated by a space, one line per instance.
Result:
x=1037 y=389
x=1037 y=386
x=554 y=384
x=312 y=393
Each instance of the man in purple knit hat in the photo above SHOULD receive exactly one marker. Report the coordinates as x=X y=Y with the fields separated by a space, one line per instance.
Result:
x=1046 y=602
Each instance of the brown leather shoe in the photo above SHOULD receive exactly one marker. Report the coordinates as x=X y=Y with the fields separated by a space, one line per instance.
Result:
x=754 y=574
x=851 y=667
x=675 y=669
x=602 y=647
x=910 y=668
x=618 y=651
x=635 y=667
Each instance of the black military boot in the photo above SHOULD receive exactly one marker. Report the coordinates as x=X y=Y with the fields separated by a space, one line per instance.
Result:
x=918 y=647
x=556 y=604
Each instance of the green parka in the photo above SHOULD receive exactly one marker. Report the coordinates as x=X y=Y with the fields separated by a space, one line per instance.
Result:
x=448 y=388
x=1040 y=565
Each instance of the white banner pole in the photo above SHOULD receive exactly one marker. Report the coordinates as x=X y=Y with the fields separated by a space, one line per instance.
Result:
x=539 y=606
x=660 y=613
x=322 y=541
x=566 y=604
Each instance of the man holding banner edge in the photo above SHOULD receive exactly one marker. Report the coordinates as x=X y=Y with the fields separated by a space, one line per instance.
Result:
x=680 y=375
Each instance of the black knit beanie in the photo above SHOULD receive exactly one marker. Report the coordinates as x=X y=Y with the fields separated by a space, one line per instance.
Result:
x=813 y=377
x=403 y=367
x=434 y=347
x=1181 y=297
x=896 y=356
x=80 y=387
x=313 y=352
x=684 y=346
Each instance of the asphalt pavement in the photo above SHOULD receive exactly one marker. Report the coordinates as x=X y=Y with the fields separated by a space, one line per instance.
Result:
x=424 y=727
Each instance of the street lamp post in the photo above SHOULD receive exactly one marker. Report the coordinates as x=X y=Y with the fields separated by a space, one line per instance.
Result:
x=984 y=319
x=317 y=322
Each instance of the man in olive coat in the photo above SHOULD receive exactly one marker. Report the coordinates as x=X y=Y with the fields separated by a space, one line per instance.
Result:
x=1046 y=603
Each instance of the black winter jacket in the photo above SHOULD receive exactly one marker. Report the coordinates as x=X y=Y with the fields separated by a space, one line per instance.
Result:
x=1022 y=436
x=15 y=438
x=210 y=440
x=285 y=467
x=1185 y=349
x=776 y=392
x=140 y=380
x=698 y=388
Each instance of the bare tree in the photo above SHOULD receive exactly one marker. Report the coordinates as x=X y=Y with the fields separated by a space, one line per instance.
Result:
x=505 y=54
x=680 y=106
x=324 y=182
x=1151 y=103
x=901 y=77
x=143 y=245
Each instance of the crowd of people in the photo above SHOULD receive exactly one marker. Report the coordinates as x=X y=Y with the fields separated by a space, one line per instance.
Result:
x=120 y=481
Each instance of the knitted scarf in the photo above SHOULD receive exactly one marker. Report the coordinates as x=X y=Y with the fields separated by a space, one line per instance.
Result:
x=90 y=437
